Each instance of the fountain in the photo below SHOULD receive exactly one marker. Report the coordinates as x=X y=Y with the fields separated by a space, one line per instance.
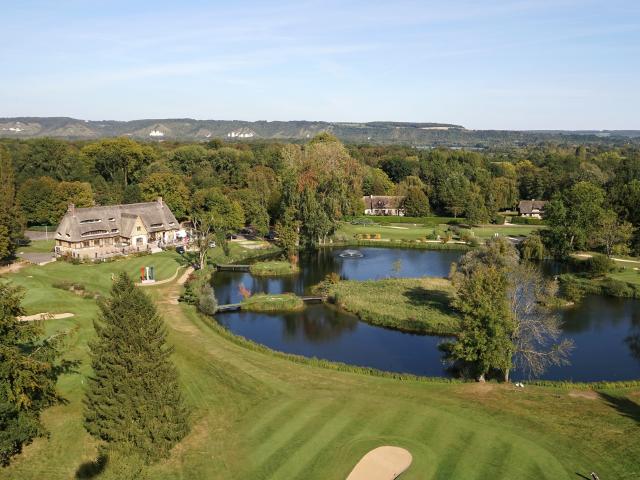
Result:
x=351 y=254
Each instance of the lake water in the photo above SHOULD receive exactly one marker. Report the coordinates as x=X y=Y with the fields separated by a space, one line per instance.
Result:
x=606 y=331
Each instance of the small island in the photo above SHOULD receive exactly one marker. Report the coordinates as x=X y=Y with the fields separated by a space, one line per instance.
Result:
x=262 y=302
x=418 y=305
x=273 y=268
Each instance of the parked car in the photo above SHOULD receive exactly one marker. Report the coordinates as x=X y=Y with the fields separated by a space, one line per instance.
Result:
x=212 y=244
x=271 y=236
x=231 y=236
x=180 y=249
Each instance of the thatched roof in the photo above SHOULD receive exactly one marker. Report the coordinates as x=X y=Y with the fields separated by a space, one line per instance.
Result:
x=527 y=207
x=114 y=220
x=372 y=202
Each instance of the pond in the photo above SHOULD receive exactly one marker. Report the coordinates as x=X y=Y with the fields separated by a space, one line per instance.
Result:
x=606 y=331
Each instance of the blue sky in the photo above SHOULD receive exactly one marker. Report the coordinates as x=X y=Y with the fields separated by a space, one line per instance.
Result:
x=557 y=64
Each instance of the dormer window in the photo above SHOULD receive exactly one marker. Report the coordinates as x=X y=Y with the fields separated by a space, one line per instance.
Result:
x=112 y=219
x=91 y=220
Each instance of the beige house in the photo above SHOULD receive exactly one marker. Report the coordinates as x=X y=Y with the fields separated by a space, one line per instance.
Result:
x=383 y=205
x=102 y=232
x=531 y=208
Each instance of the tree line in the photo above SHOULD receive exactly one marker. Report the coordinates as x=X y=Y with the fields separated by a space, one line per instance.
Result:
x=305 y=189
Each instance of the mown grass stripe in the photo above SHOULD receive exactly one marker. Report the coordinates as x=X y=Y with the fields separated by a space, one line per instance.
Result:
x=493 y=464
x=452 y=454
x=264 y=428
x=358 y=423
x=288 y=440
x=296 y=464
x=279 y=430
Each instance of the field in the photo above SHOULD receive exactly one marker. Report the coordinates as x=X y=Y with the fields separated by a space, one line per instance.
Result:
x=403 y=231
x=410 y=304
x=260 y=416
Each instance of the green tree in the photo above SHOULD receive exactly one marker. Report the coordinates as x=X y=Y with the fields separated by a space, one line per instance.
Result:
x=189 y=159
x=254 y=208
x=532 y=248
x=454 y=194
x=288 y=237
x=28 y=374
x=118 y=159
x=612 y=235
x=214 y=216
x=475 y=209
x=376 y=182
x=11 y=222
x=133 y=402
x=38 y=201
x=486 y=326
x=48 y=157
x=170 y=187
x=573 y=218
x=416 y=203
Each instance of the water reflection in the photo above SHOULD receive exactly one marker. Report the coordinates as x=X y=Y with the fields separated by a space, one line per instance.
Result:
x=606 y=331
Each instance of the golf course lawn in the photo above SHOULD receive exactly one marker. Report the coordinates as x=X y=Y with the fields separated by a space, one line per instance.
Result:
x=403 y=231
x=257 y=415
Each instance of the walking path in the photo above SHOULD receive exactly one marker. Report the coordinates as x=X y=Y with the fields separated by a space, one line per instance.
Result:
x=615 y=259
x=167 y=280
x=382 y=463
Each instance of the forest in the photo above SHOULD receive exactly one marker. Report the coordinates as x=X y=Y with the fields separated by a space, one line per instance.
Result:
x=306 y=189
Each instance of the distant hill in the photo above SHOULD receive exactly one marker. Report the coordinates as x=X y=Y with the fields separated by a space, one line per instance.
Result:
x=418 y=134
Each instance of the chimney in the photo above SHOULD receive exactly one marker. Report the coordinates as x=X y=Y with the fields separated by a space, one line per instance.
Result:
x=160 y=201
x=72 y=209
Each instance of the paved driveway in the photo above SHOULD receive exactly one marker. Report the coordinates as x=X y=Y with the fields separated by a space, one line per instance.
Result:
x=38 y=235
x=38 y=258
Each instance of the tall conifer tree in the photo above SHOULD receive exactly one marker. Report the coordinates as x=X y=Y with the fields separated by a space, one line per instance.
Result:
x=133 y=401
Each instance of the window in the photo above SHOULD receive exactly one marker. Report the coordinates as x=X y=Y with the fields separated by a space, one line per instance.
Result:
x=156 y=225
x=91 y=220
x=85 y=244
x=112 y=219
x=138 y=229
x=93 y=232
x=114 y=230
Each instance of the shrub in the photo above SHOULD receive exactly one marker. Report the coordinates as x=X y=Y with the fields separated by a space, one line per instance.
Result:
x=377 y=236
x=474 y=242
x=498 y=219
x=207 y=302
x=599 y=265
x=617 y=288
x=527 y=221
x=571 y=290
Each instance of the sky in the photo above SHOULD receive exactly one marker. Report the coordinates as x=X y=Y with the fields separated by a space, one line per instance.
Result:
x=483 y=64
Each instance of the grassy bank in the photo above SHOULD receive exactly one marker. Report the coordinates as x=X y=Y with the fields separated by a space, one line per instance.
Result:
x=612 y=285
x=419 y=245
x=259 y=415
x=390 y=231
x=263 y=302
x=418 y=305
x=273 y=268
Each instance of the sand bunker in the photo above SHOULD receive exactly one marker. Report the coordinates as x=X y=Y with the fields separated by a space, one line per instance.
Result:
x=382 y=463
x=44 y=316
